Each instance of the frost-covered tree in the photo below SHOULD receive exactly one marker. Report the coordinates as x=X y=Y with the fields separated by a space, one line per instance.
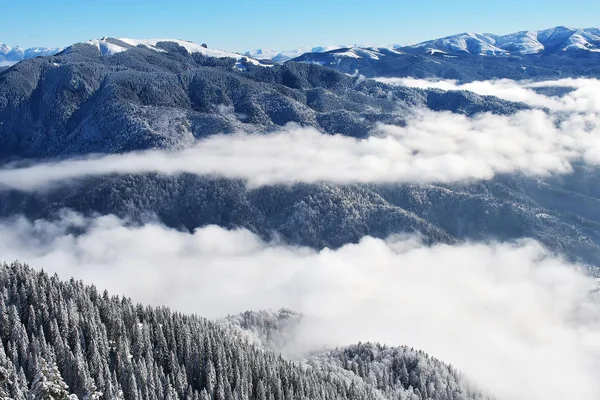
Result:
x=48 y=384
x=64 y=340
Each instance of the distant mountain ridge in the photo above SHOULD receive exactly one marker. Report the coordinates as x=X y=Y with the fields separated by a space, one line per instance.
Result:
x=559 y=40
x=546 y=54
x=11 y=55
x=110 y=46
x=283 y=56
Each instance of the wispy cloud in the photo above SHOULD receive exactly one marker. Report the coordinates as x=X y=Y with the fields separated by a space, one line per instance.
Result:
x=433 y=147
x=584 y=96
x=518 y=321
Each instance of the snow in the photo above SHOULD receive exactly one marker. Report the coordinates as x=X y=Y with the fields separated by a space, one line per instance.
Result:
x=349 y=54
x=394 y=50
x=111 y=46
x=262 y=54
x=518 y=43
x=434 y=51
x=11 y=55
x=106 y=48
x=189 y=46
x=371 y=53
x=323 y=49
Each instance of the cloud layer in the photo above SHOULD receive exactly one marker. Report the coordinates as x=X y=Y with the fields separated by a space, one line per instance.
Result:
x=583 y=98
x=518 y=321
x=439 y=147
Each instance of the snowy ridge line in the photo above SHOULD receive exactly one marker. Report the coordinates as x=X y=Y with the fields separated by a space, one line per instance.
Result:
x=110 y=46
x=554 y=40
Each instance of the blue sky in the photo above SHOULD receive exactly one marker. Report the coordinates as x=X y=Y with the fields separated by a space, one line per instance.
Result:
x=239 y=25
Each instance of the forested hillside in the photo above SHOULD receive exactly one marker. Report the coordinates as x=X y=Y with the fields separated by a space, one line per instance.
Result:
x=80 y=102
x=62 y=339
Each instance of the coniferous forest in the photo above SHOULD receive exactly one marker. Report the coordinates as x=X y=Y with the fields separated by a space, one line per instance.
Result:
x=67 y=340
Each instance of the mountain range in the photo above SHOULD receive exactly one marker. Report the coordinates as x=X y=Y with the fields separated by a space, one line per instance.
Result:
x=85 y=101
x=559 y=40
x=10 y=55
x=270 y=54
x=554 y=41
x=117 y=96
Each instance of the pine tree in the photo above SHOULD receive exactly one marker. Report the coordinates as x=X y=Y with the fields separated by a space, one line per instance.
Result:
x=48 y=384
x=4 y=382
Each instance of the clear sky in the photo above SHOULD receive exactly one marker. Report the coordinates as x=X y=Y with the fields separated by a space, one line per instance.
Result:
x=238 y=25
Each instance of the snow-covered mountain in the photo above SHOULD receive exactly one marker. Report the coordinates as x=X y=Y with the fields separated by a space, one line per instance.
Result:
x=262 y=54
x=10 y=55
x=545 y=54
x=559 y=40
x=110 y=46
x=270 y=54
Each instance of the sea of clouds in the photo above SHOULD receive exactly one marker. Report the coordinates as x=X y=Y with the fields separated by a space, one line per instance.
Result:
x=520 y=322
x=434 y=147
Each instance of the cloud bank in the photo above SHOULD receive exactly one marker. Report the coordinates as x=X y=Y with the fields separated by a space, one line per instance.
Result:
x=584 y=97
x=519 y=322
x=434 y=147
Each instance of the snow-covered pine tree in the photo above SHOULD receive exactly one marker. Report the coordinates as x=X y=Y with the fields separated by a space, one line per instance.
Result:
x=48 y=384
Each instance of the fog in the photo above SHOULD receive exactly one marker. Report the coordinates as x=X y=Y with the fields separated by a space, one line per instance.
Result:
x=584 y=96
x=517 y=320
x=434 y=147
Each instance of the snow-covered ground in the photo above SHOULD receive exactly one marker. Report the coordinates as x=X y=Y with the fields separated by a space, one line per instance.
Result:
x=110 y=46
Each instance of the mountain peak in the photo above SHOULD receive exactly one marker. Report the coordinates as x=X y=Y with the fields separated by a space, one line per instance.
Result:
x=557 y=40
x=10 y=55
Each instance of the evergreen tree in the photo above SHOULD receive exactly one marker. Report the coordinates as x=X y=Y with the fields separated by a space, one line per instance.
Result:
x=48 y=384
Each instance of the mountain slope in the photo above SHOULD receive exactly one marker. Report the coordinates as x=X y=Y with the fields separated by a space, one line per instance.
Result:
x=82 y=101
x=70 y=338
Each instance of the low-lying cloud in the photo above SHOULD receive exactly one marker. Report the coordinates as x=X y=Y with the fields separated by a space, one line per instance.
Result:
x=584 y=96
x=518 y=321
x=434 y=147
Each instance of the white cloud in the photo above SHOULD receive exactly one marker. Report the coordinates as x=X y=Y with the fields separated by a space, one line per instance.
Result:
x=518 y=321
x=585 y=96
x=433 y=147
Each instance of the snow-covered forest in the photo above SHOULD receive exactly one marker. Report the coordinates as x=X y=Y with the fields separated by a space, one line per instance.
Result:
x=67 y=340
